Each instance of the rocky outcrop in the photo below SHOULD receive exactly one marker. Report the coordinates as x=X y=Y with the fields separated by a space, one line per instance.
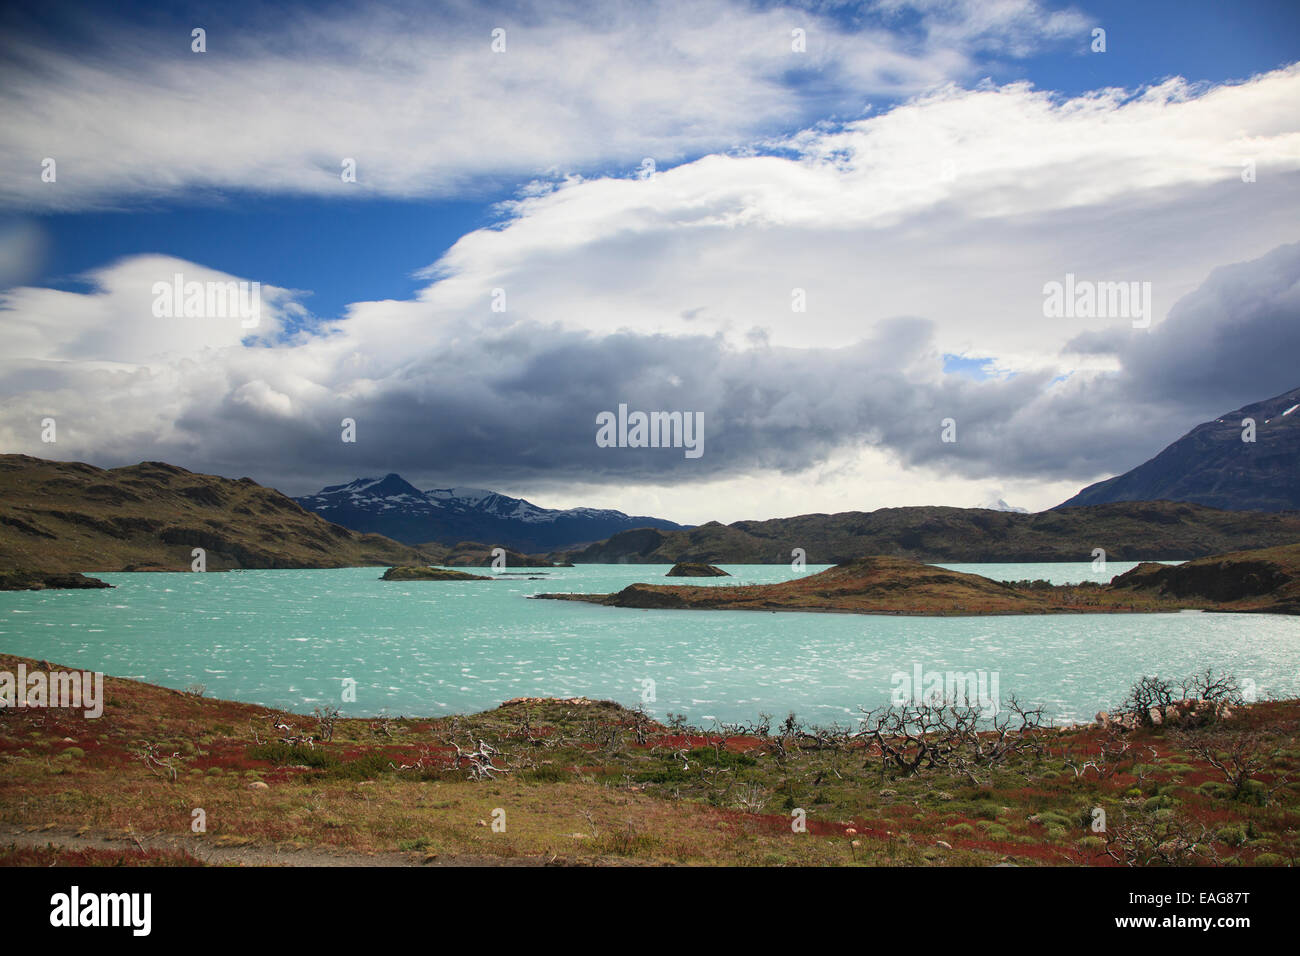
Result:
x=1189 y=712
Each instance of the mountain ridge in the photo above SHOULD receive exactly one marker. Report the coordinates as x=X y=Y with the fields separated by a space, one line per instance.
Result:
x=1211 y=465
x=392 y=506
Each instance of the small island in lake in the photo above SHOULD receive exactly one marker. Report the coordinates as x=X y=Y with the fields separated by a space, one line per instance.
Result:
x=687 y=569
x=1267 y=580
x=43 y=581
x=425 y=573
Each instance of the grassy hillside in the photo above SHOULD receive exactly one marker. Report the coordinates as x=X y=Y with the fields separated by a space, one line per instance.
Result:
x=1128 y=531
x=68 y=516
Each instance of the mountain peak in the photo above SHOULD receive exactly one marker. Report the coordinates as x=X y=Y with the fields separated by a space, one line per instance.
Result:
x=389 y=485
x=1243 y=460
x=394 y=507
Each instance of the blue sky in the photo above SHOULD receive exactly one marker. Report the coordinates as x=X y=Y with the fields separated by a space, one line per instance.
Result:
x=838 y=248
x=345 y=250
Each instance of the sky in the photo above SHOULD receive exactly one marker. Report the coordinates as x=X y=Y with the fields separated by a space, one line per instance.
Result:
x=827 y=230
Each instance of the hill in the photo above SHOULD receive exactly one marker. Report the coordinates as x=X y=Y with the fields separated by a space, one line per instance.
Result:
x=874 y=585
x=1211 y=465
x=69 y=516
x=1265 y=580
x=1131 y=531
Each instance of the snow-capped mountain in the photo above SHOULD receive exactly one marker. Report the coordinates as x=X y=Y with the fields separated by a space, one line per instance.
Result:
x=394 y=507
x=998 y=504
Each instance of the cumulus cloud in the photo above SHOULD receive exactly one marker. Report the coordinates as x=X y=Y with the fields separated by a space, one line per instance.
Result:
x=419 y=99
x=959 y=205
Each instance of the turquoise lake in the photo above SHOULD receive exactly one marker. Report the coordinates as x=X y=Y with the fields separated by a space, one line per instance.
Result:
x=290 y=639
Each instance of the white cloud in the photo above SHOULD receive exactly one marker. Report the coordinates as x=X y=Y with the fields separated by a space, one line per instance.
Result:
x=865 y=220
x=648 y=291
x=420 y=101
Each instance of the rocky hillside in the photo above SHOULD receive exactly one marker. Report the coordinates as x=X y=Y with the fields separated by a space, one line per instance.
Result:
x=1212 y=465
x=1129 y=531
x=1267 y=579
x=394 y=507
x=68 y=516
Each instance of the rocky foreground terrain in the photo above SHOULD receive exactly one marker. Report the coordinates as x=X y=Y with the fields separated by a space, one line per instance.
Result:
x=591 y=782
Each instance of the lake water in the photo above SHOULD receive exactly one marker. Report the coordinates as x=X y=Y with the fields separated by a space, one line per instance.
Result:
x=289 y=639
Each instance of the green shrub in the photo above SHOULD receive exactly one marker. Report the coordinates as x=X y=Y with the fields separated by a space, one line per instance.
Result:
x=1053 y=820
x=547 y=773
x=1234 y=834
x=285 y=755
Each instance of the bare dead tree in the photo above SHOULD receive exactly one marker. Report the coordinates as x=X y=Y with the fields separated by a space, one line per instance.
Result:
x=159 y=763
x=286 y=733
x=425 y=761
x=1240 y=756
x=911 y=738
x=641 y=725
x=1158 y=840
x=1147 y=693
x=326 y=718
x=1207 y=685
x=1112 y=748
x=479 y=759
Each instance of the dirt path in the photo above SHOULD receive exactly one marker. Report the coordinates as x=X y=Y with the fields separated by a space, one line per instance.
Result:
x=204 y=849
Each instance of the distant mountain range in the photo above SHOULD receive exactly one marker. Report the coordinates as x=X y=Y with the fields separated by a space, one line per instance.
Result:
x=1212 y=465
x=394 y=507
x=69 y=516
